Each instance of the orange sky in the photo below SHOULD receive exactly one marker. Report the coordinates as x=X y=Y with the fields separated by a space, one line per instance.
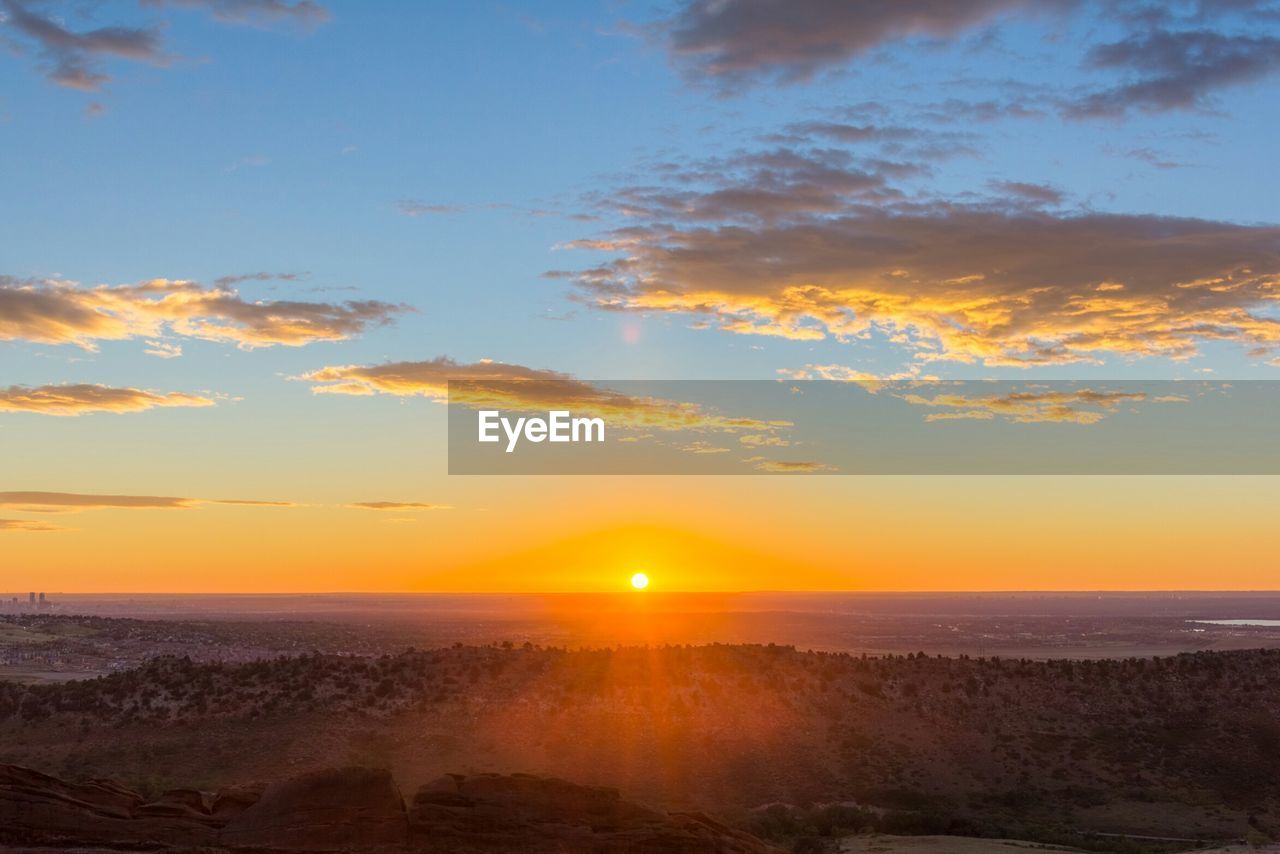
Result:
x=729 y=533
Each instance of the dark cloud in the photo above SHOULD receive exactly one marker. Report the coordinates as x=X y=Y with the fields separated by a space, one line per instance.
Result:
x=228 y=281
x=1174 y=70
x=1037 y=194
x=1173 y=56
x=73 y=58
x=889 y=140
x=761 y=186
x=63 y=312
x=740 y=41
x=69 y=57
x=954 y=110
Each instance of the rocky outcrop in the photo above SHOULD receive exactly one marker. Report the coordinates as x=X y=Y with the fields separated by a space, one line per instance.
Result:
x=356 y=810
x=338 y=809
x=487 y=813
x=38 y=809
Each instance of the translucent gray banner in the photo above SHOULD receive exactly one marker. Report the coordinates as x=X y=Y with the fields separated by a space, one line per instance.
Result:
x=703 y=427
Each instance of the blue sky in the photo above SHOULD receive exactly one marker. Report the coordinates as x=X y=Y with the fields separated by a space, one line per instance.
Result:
x=276 y=147
x=777 y=188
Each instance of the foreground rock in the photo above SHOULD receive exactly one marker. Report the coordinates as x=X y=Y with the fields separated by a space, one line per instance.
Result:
x=38 y=809
x=357 y=810
x=338 y=809
x=495 y=813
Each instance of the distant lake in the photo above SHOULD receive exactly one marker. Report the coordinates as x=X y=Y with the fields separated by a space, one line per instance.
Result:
x=1272 y=623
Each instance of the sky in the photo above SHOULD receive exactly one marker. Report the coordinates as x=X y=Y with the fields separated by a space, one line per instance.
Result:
x=246 y=243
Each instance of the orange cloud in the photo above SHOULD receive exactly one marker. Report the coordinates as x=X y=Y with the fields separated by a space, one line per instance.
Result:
x=27 y=525
x=1073 y=406
x=81 y=398
x=56 y=311
x=788 y=466
x=67 y=502
x=757 y=250
x=519 y=388
x=397 y=505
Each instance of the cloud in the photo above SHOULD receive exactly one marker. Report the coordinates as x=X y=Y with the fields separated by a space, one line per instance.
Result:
x=163 y=350
x=1174 y=70
x=994 y=283
x=228 y=281
x=1072 y=406
x=305 y=13
x=1035 y=194
x=518 y=388
x=1153 y=158
x=73 y=58
x=27 y=525
x=250 y=502
x=846 y=374
x=788 y=466
x=67 y=502
x=703 y=448
x=82 y=398
x=736 y=42
x=1171 y=56
x=411 y=207
x=56 y=311
x=765 y=186
x=68 y=57
x=757 y=440
x=399 y=506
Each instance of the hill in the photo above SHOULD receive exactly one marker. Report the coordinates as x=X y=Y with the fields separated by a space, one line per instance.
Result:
x=1182 y=747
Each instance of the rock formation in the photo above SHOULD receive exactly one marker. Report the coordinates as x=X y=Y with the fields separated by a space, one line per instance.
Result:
x=355 y=810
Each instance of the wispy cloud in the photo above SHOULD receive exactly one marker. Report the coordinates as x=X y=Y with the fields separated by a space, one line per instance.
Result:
x=519 y=388
x=1071 y=406
x=56 y=311
x=74 y=57
x=66 y=502
x=788 y=466
x=412 y=207
x=400 y=506
x=739 y=42
x=1174 y=70
x=27 y=525
x=306 y=13
x=83 y=398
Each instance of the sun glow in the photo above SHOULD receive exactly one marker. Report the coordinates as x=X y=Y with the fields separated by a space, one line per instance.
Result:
x=639 y=581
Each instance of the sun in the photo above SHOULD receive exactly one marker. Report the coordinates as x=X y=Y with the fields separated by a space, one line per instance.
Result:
x=639 y=581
